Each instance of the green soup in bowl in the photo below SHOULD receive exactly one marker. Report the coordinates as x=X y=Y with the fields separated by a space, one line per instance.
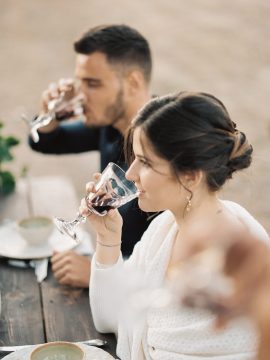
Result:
x=59 y=350
x=35 y=229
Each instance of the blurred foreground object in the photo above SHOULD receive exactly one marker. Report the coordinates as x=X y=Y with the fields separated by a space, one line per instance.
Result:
x=231 y=280
x=7 y=179
x=247 y=263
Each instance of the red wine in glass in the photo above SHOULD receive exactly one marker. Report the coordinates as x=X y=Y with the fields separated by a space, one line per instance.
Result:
x=101 y=203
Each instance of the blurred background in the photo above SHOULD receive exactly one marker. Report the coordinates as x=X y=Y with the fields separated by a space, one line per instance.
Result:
x=221 y=47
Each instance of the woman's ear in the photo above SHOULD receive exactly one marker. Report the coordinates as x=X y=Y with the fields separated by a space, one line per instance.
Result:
x=192 y=179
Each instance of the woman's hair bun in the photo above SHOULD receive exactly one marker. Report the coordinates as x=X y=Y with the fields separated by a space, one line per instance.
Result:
x=240 y=157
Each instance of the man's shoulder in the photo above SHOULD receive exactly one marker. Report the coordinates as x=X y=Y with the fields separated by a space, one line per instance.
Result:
x=110 y=133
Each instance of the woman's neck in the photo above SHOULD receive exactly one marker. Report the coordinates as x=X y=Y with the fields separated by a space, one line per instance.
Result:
x=203 y=206
x=194 y=227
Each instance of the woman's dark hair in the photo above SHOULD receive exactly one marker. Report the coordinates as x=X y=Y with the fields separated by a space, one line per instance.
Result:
x=193 y=131
x=121 y=44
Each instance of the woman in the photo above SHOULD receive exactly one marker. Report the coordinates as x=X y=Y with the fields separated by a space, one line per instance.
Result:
x=184 y=148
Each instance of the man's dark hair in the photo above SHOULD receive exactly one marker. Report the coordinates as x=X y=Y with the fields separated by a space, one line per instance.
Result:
x=120 y=43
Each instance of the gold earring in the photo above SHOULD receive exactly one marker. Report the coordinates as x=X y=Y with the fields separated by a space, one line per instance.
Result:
x=188 y=206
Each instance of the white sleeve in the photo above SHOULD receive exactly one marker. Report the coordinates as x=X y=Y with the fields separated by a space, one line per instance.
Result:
x=104 y=295
x=107 y=290
x=253 y=225
x=109 y=286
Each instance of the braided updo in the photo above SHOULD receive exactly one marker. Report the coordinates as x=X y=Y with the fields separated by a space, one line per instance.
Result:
x=193 y=131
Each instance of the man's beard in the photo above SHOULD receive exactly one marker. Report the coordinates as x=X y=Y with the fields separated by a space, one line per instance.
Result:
x=116 y=111
x=113 y=113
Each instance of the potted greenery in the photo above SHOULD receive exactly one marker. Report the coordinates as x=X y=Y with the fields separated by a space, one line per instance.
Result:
x=7 y=179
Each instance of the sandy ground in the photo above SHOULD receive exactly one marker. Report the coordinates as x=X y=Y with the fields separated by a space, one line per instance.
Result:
x=221 y=47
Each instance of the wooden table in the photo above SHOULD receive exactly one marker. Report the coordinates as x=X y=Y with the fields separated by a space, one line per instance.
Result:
x=34 y=313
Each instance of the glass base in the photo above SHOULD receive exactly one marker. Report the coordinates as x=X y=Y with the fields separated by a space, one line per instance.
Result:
x=66 y=228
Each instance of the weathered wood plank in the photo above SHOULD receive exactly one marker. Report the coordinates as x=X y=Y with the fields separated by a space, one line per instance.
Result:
x=67 y=314
x=21 y=319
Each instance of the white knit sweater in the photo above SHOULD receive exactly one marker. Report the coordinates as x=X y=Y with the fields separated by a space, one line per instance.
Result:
x=120 y=297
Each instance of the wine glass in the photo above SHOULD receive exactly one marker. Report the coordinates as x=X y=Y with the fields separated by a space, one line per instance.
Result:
x=69 y=104
x=112 y=191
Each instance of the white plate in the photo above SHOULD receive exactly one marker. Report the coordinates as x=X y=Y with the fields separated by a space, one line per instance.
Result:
x=92 y=353
x=12 y=244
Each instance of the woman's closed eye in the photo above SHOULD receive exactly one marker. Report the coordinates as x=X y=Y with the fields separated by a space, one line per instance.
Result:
x=144 y=162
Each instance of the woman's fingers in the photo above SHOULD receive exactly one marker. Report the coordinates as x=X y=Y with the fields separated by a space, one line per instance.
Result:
x=113 y=213
x=90 y=187
x=83 y=209
x=97 y=176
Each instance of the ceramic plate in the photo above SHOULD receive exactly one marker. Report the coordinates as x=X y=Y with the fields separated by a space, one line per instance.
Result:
x=92 y=353
x=12 y=244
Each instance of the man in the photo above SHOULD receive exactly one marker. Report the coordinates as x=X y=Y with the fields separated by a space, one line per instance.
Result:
x=113 y=66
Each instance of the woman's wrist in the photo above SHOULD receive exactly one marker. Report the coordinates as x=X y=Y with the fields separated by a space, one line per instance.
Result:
x=108 y=250
x=101 y=243
x=111 y=240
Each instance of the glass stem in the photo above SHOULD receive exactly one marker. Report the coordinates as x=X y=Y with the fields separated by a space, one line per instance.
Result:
x=79 y=219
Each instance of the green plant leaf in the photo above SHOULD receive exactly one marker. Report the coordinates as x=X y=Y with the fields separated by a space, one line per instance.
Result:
x=5 y=154
x=7 y=182
x=5 y=144
x=12 y=141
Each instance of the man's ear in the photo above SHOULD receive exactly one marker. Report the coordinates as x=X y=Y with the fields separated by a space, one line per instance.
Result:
x=192 y=179
x=135 y=81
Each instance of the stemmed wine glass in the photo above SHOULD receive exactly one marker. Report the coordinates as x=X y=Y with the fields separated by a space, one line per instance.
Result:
x=112 y=191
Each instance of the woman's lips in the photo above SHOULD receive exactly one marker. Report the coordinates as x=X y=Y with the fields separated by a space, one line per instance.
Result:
x=140 y=192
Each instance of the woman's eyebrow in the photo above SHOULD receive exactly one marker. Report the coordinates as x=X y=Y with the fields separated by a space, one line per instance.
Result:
x=143 y=157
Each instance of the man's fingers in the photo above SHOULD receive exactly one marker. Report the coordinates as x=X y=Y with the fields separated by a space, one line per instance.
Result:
x=53 y=90
x=46 y=98
x=66 y=82
x=67 y=88
x=59 y=273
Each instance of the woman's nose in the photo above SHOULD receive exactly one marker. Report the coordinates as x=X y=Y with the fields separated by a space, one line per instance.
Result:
x=130 y=174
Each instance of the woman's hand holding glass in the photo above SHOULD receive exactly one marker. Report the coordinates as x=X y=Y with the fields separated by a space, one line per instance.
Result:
x=108 y=228
x=111 y=191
